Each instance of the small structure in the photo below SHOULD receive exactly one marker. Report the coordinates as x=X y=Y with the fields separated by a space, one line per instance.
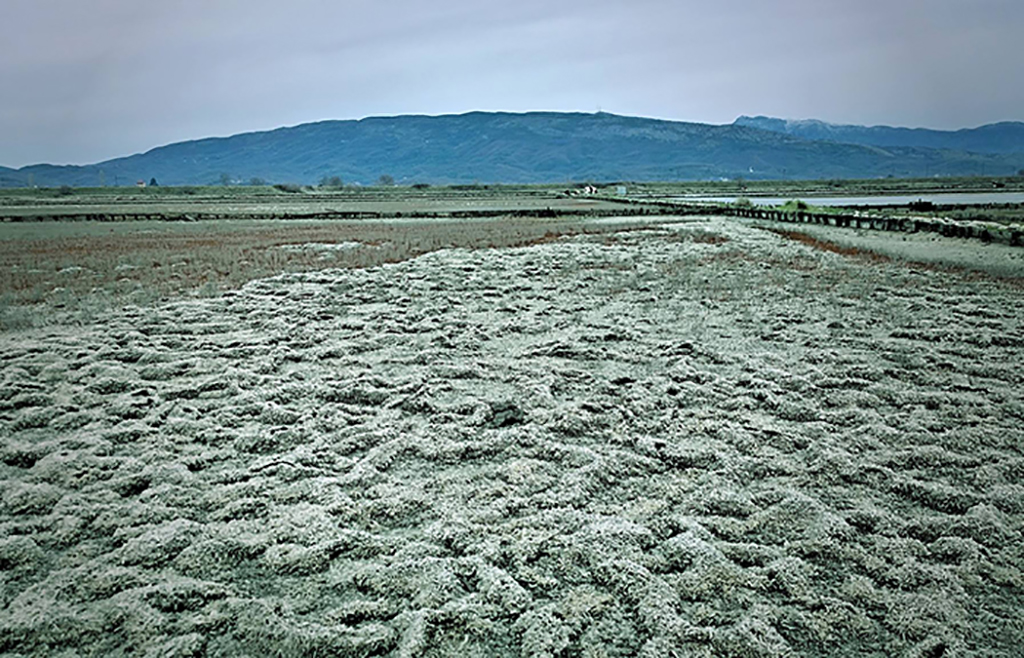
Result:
x=585 y=190
x=140 y=183
x=620 y=190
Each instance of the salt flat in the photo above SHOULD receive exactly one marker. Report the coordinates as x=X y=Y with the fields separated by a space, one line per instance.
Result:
x=700 y=440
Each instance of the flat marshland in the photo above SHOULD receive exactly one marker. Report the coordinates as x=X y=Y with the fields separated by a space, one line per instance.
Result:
x=79 y=270
x=506 y=437
x=299 y=202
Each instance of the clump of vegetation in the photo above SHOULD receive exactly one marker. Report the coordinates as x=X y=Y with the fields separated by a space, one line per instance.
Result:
x=331 y=183
x=290 y=188
x=708 y=237
x=794 y=205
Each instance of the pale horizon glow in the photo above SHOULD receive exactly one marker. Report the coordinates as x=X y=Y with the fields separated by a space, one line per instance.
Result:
x=86 y=82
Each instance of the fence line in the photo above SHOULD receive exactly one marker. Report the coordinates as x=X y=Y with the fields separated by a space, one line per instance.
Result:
x=986 y=232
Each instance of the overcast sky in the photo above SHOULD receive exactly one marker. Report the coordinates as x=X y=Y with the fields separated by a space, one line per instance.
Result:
x=83 y=81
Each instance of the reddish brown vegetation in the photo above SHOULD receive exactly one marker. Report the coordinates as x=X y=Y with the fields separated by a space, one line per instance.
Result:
x=874 y=257
x=825 y=245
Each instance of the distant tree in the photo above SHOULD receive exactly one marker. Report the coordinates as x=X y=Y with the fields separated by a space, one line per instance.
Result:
x=333 y=182
x=255 y=181
x=386 y=180
x=1020 y=172
x=225 y=180
x=420 y=186
x=65 y=190
x=153 y=183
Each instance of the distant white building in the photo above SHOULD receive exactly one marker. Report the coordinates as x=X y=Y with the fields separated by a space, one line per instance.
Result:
x=620 y=190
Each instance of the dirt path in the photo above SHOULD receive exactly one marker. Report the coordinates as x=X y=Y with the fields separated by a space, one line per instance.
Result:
x=706 y=439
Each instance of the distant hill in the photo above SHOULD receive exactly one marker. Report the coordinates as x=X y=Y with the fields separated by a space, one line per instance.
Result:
x=10 y=177
x=535 y=147
x=1002 y=138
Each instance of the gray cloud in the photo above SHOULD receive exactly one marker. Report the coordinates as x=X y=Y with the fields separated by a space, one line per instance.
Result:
x=85 y=81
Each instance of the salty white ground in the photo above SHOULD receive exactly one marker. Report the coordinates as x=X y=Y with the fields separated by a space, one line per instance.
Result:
x=701 y=440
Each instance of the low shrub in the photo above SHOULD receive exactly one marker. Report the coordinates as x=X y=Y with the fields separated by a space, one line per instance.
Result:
x=794 y=205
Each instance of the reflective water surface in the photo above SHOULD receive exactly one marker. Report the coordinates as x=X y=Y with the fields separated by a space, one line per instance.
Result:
x=938 y=199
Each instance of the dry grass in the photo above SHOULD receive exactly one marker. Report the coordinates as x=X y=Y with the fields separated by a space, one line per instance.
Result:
x=869 y=256
x=832 y=247
x=74 y=266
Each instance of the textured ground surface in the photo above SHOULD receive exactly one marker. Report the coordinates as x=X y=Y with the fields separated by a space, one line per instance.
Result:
x=705 y=440
x=996 y=259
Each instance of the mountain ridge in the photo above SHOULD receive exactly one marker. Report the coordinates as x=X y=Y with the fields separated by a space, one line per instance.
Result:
x=507 y=147
x=1003 y=137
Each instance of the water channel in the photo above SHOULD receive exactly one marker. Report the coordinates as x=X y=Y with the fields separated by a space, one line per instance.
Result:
x=962 y=198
